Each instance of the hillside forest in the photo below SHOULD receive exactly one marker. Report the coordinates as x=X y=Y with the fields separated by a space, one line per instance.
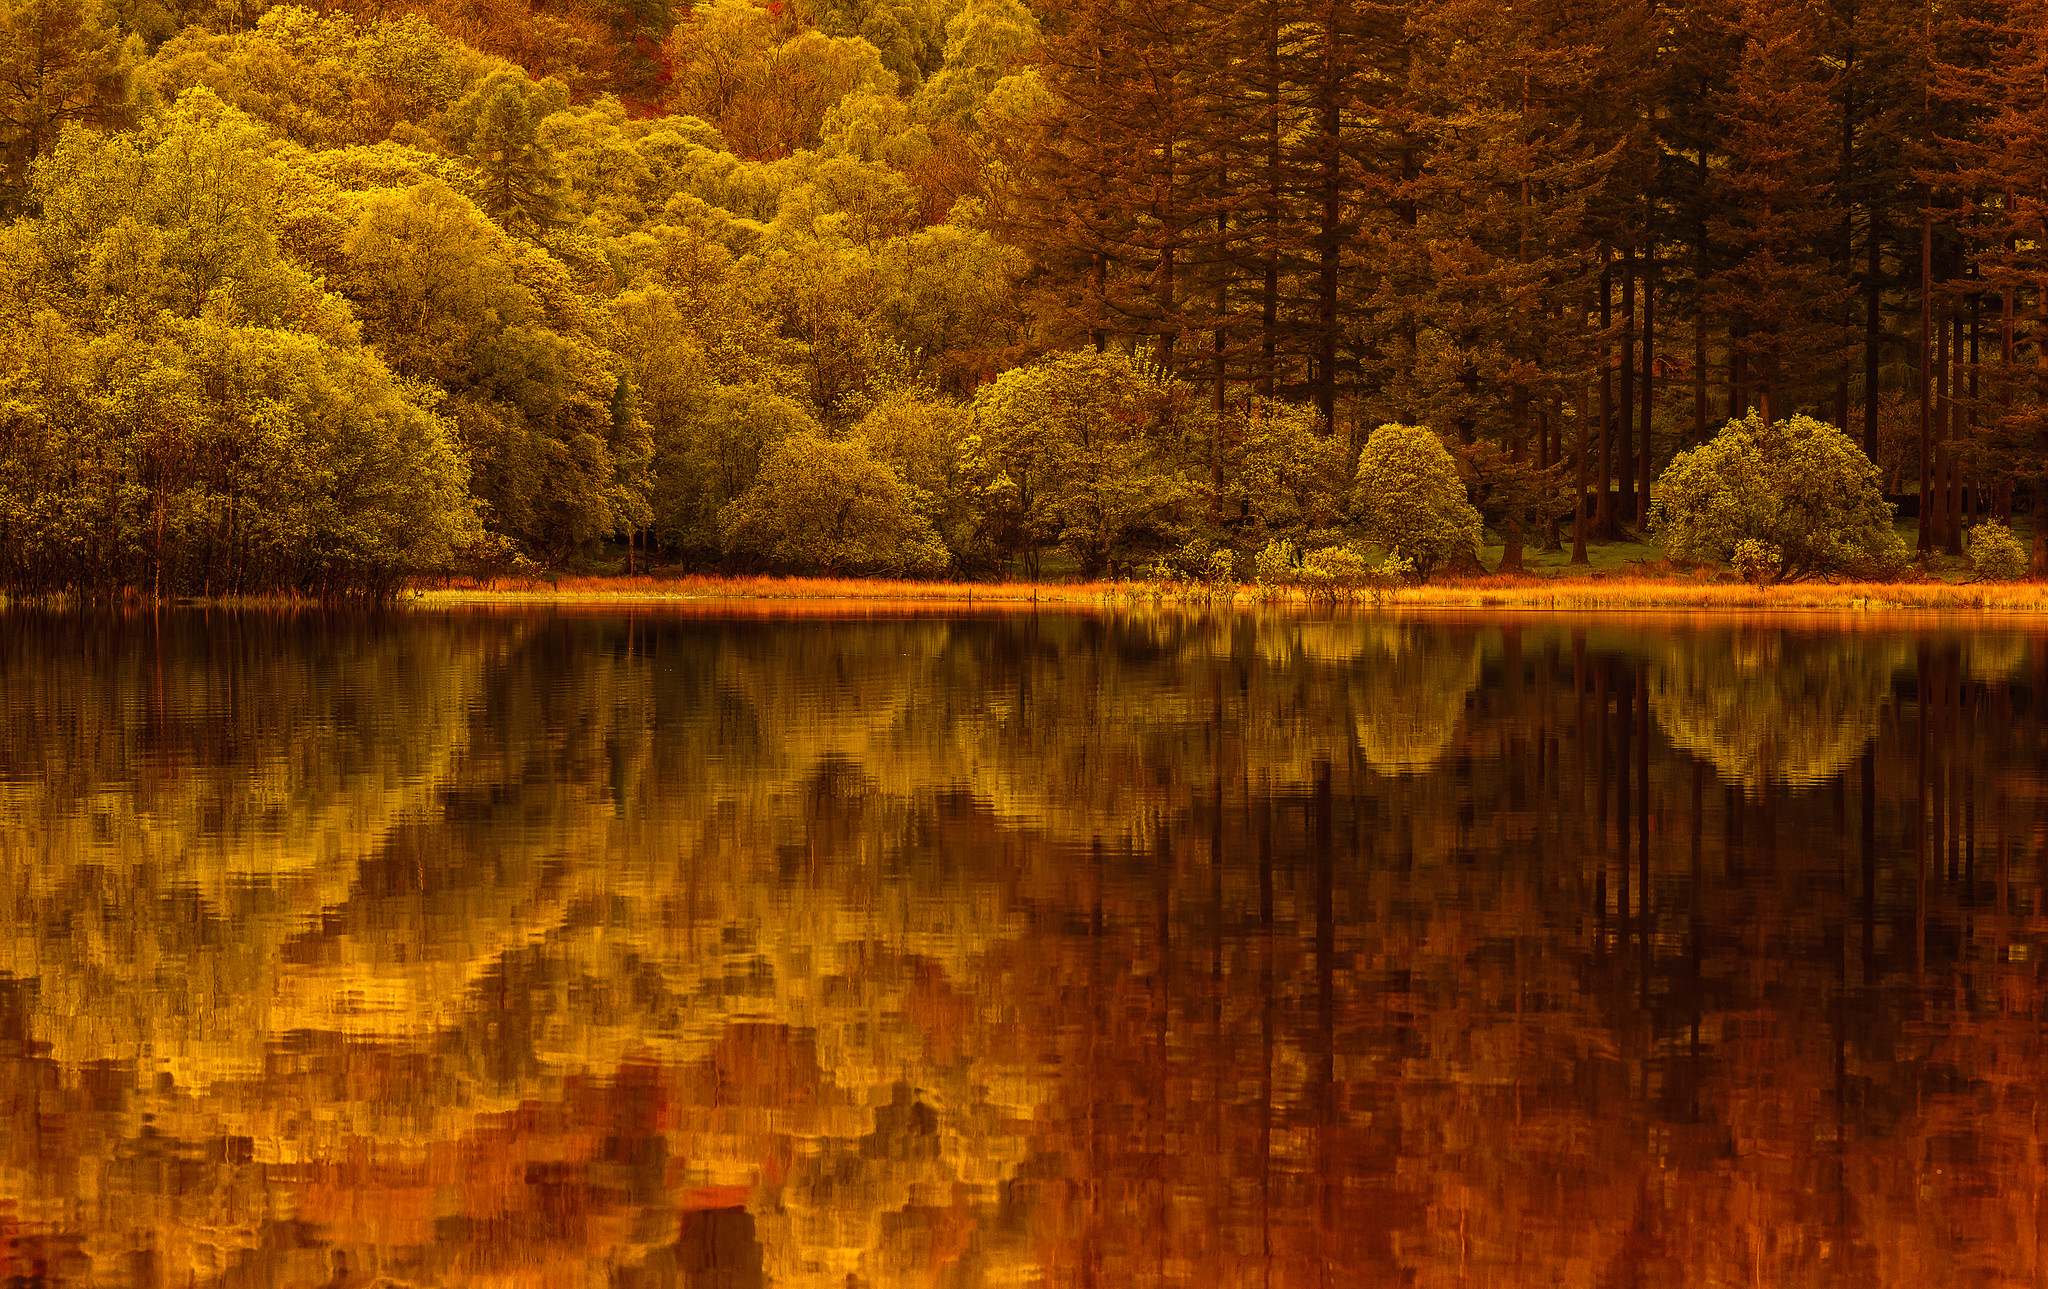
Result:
x=322 y=301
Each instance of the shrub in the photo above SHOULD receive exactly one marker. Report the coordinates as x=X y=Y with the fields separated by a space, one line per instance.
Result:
x=1340 y=572
x=1409 y=497
x=1274 y=564
x=1396 y=568
x=1334 y=569
x=1996 y=553
x=1197 y=562
x=821 y=505
x=1791 y=499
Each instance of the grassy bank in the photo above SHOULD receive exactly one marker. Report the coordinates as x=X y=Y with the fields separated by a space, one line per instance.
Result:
x=1644 y=590
x=704 y=587
x=1650 y=592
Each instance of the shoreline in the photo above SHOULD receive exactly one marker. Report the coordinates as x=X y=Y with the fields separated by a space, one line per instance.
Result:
x=1636 y=593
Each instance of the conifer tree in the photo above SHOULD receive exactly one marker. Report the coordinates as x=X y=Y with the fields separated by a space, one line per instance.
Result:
x=1502 y=208
x=1776 y=207
x=1119 y=195
x=58 y=63
x=2001 y=172
x=1871 y=41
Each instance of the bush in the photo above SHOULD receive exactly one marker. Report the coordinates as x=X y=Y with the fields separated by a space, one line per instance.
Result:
x=1333 y=570
x=1274 y=564
x=1199 y=562
x=1792 y=499
x=825 y=506
x=1996 y=553
x=1329 y=572
x=1409 y=497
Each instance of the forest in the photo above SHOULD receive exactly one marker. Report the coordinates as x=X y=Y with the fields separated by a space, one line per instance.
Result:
x=322 y=302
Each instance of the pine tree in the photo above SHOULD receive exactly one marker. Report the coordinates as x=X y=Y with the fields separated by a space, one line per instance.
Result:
x=1872 y=42
x=2001 y=172
x=58 y=63
x=1122 y=192
x=1502 y=210
x=1775 y=207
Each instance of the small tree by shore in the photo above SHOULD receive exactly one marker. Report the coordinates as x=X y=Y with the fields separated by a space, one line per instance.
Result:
x=1409 y=497
x=1783 y=500
x=1996 y=554
x=818 y=503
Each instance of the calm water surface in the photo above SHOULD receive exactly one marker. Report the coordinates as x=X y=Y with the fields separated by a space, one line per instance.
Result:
x=655 y=950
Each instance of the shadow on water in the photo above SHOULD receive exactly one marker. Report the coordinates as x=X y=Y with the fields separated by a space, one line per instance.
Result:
x=1063 y=949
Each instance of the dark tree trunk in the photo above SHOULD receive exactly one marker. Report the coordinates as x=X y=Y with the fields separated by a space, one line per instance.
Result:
x=1603 y=503
x=1269 y=254
x=1579 y=484
x=1644 y=460
x=1625 y=506
x=1738 y=370
x=1926 y=543
x=1873 y=331
x=1329 y=112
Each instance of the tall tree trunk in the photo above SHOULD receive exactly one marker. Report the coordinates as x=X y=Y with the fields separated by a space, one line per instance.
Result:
x=2006 y=373
x=1219 y=345
x=1843 y=187
x=1579 y=483
x=1166 y=283
x=1644 y=460
x=1940 y=519
x=1096 y=332
x=1699 y=314
x=1926 y=542
x=1603 y=505
x=1738 y=369
x=1767 y=363
x=1269 y=254
x=1330 y=124
x=1518 y=451
x=1549 y=419
x=1625 y=505
x=1873 y=329
x=2037 y=565
x=1973 y=495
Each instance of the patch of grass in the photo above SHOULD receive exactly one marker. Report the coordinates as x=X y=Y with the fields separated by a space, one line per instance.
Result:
x=1603 y=557
x=1663 y=593
x=1658 y=591
x=646 y=587
x=1643 y=556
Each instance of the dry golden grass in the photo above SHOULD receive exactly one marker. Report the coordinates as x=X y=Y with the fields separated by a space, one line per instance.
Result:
x=1678 y=592
x=1652 y=592
x=727 y=589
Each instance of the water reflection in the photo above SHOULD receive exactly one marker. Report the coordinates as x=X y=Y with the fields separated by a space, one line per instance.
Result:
x=1048 y=949
x=1784 y=706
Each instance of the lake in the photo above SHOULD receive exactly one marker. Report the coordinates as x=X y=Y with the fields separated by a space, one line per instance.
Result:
x=781 y=945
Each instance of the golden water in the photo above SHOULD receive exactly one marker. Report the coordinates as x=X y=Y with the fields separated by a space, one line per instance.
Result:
x=1021 y=949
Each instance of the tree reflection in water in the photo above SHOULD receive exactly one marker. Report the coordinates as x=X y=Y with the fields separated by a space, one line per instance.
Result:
x=1064 y=949
x=1757 y=704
